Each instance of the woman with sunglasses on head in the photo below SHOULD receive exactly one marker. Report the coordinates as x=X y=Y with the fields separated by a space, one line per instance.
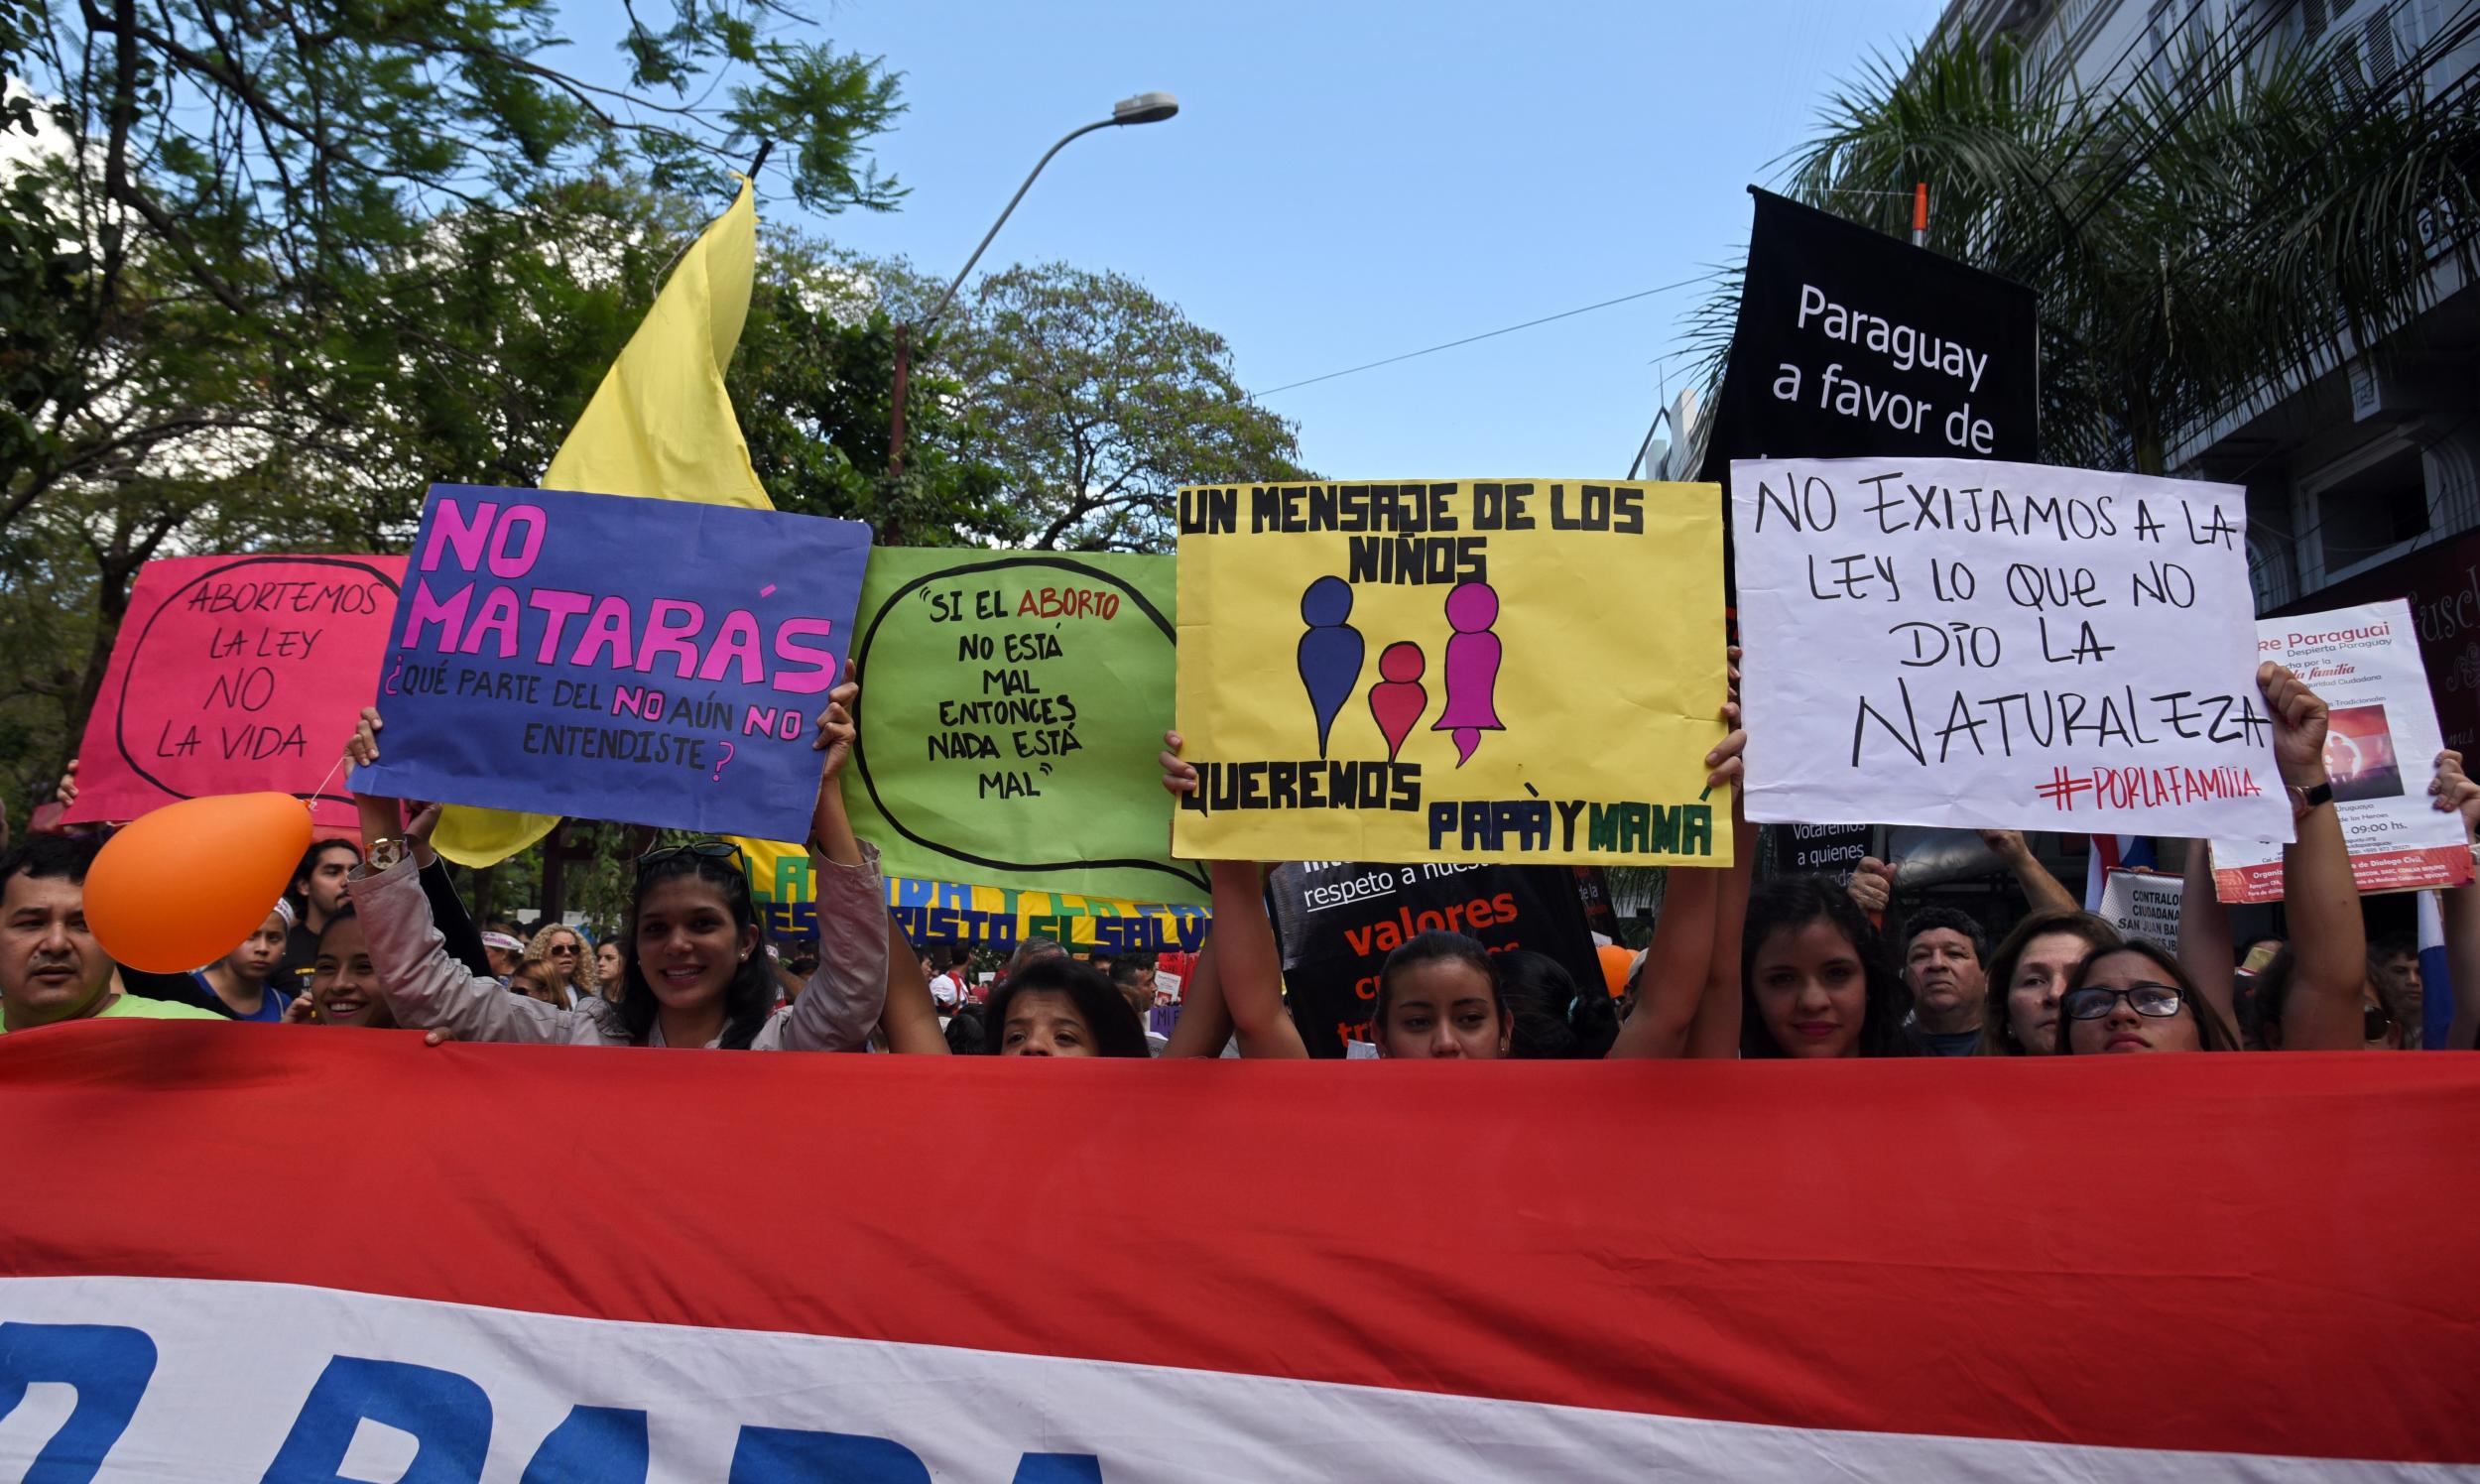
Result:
x=2136 y=998
x=697 y=972
x=560 y=950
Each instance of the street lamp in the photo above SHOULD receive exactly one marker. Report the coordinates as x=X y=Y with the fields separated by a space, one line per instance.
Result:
x=1143 y=108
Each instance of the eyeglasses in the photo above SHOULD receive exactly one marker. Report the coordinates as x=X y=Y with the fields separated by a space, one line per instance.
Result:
x=2094 y=1002
x=702 y=851
x=565 y=951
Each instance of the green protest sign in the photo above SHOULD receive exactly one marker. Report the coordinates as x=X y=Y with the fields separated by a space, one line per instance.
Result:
x=1012 y=703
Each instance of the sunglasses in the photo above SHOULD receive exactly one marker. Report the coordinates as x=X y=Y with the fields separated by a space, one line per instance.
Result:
x=715 y=850
x=2375 y=1023
x=2094 y=1002
x=565 y=951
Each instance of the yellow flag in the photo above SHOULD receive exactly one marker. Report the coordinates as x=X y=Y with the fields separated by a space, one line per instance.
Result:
x=660 y=428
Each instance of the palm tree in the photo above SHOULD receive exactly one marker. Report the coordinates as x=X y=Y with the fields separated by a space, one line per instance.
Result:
x=2245 y=217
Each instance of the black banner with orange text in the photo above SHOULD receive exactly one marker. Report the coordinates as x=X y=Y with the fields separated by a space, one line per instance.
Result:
x=1337 y=920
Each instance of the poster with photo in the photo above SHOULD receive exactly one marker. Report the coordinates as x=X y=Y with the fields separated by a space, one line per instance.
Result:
x=2381 y=748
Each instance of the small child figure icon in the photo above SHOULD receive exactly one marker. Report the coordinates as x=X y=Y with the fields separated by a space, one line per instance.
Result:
x=1398 y=700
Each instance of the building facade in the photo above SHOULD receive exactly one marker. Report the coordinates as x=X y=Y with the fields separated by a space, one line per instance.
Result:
x=2358 y=469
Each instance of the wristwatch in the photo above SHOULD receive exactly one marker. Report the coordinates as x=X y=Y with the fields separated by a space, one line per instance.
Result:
x=2304 y=802
x=386 y=851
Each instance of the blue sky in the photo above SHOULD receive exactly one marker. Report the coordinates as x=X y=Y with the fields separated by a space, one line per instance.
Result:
x=1349 y=181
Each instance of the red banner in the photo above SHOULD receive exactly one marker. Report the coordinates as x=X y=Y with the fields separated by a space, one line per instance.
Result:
x=2131 y=1269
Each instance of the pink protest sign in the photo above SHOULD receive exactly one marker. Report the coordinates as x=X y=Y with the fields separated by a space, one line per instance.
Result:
x=234 y=675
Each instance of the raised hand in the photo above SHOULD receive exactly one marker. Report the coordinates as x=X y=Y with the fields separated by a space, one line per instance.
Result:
x=1872 y=885
x=1177 y=777
x=363 y=750
x=2298 y=715
x=835 y=726
x=1725 y=762
x=2453 y=790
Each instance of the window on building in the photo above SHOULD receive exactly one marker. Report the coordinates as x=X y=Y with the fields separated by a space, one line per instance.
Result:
x=2372 y=510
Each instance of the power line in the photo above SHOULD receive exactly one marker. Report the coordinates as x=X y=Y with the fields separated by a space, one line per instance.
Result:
x=1484 y=335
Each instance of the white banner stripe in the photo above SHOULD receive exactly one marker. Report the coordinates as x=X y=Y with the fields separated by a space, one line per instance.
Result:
x=236 y=1361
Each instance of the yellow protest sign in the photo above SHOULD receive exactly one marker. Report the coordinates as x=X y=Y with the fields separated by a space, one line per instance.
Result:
x=1523 y=671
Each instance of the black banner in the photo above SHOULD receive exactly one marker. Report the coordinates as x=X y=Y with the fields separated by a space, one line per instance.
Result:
x=1852 y=343
x=1337 y=920
x=1822 y=849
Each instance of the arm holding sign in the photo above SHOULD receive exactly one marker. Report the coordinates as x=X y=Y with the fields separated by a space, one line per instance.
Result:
x=1670 y=983
x=447 y=910
x=2328 y=939
x=848 y=991
x=911 y=1019
x=424 y=987
x=1247 y=967
x=2041 y=890
x=1205 y=1026
x=2205 y=936
x=1715 y=1019
x=2455 y=790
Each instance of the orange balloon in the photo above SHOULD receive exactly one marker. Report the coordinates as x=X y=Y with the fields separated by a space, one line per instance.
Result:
x=182 y=887
x=1616 y=961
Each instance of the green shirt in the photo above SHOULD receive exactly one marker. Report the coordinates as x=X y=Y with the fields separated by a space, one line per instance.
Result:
x=131 y=1006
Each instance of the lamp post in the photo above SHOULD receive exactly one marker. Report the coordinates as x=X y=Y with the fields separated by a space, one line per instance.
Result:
x=1143 y=108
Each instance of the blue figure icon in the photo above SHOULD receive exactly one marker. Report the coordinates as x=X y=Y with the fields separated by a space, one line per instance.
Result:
x=1331 y=651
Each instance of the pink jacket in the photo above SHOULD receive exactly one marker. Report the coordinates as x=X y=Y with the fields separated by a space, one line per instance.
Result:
x=425 y=987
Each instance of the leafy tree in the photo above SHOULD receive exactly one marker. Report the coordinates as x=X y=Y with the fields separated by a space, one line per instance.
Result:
x=1099 y=399
x=2189 y=236
x=272 y=267
x=814 y=383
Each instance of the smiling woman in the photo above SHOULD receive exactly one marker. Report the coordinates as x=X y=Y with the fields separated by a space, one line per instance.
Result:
x=696 y=973
x=1814 y=982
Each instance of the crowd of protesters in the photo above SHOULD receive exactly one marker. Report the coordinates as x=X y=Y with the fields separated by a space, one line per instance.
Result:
x=1793 y=966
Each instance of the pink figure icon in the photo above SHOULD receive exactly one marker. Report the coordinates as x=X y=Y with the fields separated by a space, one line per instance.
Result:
x=1471 y=669
x=1398 y=700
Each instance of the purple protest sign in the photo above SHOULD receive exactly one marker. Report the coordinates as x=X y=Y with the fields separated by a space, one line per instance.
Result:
x=647 y=661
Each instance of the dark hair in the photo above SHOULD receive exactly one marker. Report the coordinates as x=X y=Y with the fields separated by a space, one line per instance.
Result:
x=958 y=955
x=2271 y=991
x=747 y=1001
x=50 y=858
x=2213 y=1033
x=1788 y=903
x=1930 y=920
x=1116 y=1030
x=1032 y=950
x=1434 y=947
x=1997 y=1029
x=1593 y=1019
x=964 y=1034
x=1538 y=991
x=343 y=914
x=1127 y=970
x=318 y=849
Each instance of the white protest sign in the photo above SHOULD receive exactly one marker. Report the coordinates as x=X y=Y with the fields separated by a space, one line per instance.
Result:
x=2381 y=746
x=1980 y=645
x=2142 y=905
